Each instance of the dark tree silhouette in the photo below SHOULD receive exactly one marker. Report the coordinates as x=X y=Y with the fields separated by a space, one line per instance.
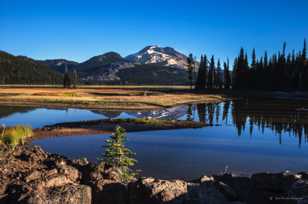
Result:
x=218 y=76
x=305 y=66
x=75 y=78
x=305 y=50
x=191 y=65
x=66 y=79
x=241 y=71
x=211 y=75
x=281 y=71
x=227 y=77
x=202 y=74
x=254 y=58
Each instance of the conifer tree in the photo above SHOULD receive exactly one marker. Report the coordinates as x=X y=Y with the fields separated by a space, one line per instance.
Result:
x=118 y=156
x=66 y=79
x=265 y=64
x=305 y=51
x=254 y=59
x=191 y=64
x=218 y=78
x=246 y=66
x=235 y=74
x=211 y=73
x=75 y=78
x=227 y=77
x=201 y=79
x=199 y=76
x=241 y=71
x=206 y=69
x=305 y=66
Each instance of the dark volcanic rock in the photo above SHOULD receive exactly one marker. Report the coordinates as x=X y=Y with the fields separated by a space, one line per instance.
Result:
x=106 y=186
x=154 y=191
x=69 y=194
x=110 y=192
x=30 y=175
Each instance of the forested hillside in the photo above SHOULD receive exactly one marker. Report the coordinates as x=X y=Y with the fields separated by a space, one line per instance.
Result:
x=23 y=70
x=153 y=74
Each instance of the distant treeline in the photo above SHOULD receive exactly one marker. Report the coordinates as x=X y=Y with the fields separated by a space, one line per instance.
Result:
x=281 y=71
x=23 y=70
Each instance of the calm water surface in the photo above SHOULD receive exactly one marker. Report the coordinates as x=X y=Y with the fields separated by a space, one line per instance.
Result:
x=244 y=136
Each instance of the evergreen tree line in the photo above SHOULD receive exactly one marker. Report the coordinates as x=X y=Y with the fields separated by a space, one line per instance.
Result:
x=210 y=74
x=70 y=79
x=281 y=71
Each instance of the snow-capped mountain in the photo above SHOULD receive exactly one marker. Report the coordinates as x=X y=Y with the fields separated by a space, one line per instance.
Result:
x=151 y=65
x=166 y=56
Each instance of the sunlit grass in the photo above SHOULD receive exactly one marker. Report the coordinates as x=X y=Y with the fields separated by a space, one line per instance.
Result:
x=70 y=94
x=13 y=136
x=112 y=97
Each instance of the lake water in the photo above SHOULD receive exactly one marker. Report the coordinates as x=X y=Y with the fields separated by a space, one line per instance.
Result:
x=244 y=136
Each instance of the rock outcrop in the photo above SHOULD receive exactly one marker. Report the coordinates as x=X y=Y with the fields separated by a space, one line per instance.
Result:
x=30 y=175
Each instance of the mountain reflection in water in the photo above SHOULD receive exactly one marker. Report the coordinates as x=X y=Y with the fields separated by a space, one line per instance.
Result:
x=253 y=114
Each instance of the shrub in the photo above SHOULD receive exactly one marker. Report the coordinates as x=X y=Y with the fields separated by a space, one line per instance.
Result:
x=118 y=156
x=13 y=136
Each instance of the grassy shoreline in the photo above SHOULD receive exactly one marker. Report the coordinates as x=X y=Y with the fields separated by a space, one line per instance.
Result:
x=111 y=97
x=107 y=126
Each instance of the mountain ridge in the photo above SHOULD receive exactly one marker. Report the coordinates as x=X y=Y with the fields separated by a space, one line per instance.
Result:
x=24 y=70
x=150 y=65
x=153 y=62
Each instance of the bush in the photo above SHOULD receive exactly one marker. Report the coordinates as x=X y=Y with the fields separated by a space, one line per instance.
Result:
x=13 y=136
x=118 y=156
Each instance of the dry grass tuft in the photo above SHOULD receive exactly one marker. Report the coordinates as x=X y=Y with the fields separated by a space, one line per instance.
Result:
x=13 y=136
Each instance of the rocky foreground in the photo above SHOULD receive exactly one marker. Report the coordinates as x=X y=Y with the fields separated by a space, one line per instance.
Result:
x=30 y=175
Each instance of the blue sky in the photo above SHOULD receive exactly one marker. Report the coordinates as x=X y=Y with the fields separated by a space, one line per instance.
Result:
x=78 y=30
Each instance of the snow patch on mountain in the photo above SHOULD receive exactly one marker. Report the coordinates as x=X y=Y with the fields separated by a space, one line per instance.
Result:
x=163 y=55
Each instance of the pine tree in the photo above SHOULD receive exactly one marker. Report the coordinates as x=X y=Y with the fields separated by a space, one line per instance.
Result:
x=199 y=76
x=118 y=156
x=305 y=66
x=227 y=77
x=211 y=73
x=254 y=59
x=304 y=53
x=218 y=78
x=75 y=78
x=201 y=79
x=66 y=79
x=235 y=74
x=284 y=47
x=246 y=66
x=265 y=64
x=241 y=71
x=206 y=69
x=191 y=64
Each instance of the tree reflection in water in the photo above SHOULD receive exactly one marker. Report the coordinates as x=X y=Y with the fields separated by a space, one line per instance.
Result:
x=280 y=116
